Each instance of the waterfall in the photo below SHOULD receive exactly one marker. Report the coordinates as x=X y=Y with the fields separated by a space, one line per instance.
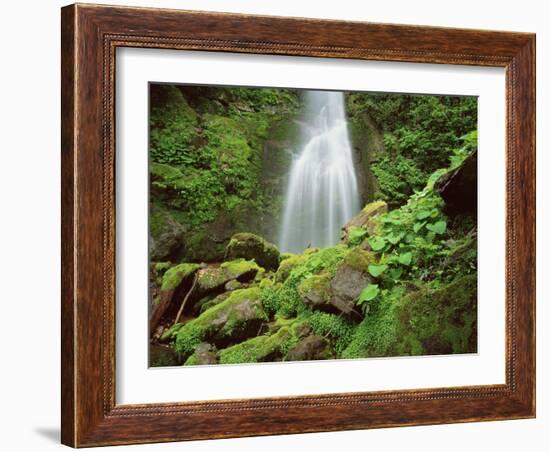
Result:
x=322 y=192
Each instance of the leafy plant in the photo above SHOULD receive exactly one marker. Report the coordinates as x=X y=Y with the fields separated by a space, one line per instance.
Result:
x=369 y=293
x=377 y=269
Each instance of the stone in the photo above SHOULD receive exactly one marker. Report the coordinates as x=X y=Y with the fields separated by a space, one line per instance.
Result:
x=204 y=354
x=166 y=235
x=458 y=188
x=350 y=279
x=310 y=348
x=174 y=282
x=238 y=317
x=250 y=246
x=365 y=219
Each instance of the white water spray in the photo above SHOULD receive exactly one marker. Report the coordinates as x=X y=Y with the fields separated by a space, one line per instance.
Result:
x=322 y=192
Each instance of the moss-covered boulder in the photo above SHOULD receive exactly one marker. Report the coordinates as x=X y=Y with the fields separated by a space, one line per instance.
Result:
x=210 y=300
x=310 y=348
x=238 y=317
x=213 y=278
x=427 y=321
x=174 y=282
x=441 y=321
x=165 y=235
x=366 y=219
x=258 y=349
x=350 y=279
x=241 y=269
x=204 y=354
x=251 y=246
x=315 y=292
x=287 y=265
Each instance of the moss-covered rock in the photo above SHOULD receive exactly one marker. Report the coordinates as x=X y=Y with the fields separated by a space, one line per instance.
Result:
x=234 y=319
x=315 y=291
x=204 y=354
x=209 y=301
x=211 y=278
x=241 y=269
x=174 y=282
x=258 y=349
x=364 y=219
x=250 y=246
x=423 y=322
x=169 y=335
x=310 y=348
x=287 y=265
x=440 y=321
x=350 y=279
x=178 y=274
x=165 y=234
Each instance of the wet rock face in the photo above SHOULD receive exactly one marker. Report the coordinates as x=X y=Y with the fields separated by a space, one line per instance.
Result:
x=250 y=246
x=310 y=348
x=459 y=188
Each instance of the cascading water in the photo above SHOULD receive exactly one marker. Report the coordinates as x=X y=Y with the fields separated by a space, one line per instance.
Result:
x=322 y=192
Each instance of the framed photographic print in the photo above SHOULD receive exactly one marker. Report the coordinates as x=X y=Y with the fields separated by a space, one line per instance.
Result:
x=282 y=225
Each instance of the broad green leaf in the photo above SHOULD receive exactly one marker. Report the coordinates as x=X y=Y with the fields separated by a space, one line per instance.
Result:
x=439 y=228
x=423 y=214
x=396 y=272
x=418 y=226
x=377 y=269
x=377 y=243
x=394 y=238
x=405 y=258
x=368 y=293
x=356 y=234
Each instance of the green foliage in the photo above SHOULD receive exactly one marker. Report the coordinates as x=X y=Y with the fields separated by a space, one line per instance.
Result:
x=334 y=327
x=377 y=269
x=368 y=293
x=356 y=235
x=420 y=134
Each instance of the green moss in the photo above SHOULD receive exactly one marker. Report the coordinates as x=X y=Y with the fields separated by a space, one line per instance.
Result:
x=170 y=334
x=234 y=318
x=258 y=349
x=315 y=290
x=359 y=259
x=334 y=327
x=211 y=278
x=161 y=267
x=250 y=246
x=176 y=275
x=286 y=266
x=426 y=321
x=240 y=267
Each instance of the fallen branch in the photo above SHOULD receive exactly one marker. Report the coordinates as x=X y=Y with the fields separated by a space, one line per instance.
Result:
x=180 y=311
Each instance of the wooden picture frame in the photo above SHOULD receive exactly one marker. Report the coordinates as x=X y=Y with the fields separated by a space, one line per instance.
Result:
x=90 y=36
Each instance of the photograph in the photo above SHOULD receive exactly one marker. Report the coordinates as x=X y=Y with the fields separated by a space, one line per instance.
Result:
x=296 y=225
